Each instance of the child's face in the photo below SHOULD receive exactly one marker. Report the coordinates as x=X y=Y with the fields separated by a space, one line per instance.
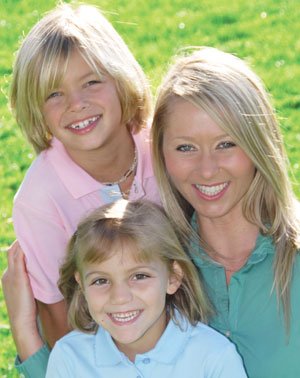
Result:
x=210 y=171
x=84 y=113
x=128 y=299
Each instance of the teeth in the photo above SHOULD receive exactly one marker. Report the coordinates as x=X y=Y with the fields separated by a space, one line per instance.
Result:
x=211 y=190
x=124 y=316
x=83 y=124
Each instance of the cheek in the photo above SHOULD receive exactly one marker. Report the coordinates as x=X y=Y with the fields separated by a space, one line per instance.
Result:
x=174 y=166
x=245 y=167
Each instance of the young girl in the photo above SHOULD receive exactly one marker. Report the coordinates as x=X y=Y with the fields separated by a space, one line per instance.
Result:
x=135 y=302
x=83 y=102
x=220 y=162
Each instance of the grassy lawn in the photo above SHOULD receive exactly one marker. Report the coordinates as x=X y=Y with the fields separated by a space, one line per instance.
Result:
x=265 y=32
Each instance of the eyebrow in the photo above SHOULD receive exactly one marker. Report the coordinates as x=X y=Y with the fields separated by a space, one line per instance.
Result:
x=138 y=267
x=89 y=73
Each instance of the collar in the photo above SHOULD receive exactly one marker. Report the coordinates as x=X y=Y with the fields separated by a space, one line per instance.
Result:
x=79 y=183
x=264 y=246
x=173 y=336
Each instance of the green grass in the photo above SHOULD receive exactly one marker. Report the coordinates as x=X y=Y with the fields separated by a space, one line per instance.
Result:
x=265 y=32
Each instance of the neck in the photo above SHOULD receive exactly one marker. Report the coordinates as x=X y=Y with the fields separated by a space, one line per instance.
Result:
x=107 y=163
x=229 y=242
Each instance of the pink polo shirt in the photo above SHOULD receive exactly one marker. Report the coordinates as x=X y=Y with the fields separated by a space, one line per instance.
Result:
x=55 y=195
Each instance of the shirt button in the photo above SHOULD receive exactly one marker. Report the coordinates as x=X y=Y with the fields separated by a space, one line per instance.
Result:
x=146 y=361
x=227 y=333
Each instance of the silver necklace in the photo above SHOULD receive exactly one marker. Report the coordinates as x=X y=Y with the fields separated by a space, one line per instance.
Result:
x=126 y=174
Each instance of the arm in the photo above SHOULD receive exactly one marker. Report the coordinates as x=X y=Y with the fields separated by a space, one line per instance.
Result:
x=54 y=321
x=20 y=303
x=43 y=238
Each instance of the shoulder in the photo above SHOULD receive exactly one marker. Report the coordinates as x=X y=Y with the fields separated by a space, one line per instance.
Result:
x=206 y=350
x=142 y=140
x=208 y=336
x=39 y=175
x=75 y=342
x=205 y=343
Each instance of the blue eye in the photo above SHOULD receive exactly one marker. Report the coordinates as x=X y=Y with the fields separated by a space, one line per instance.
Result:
x=225 y=145
x=185 y=148
x=53 y=95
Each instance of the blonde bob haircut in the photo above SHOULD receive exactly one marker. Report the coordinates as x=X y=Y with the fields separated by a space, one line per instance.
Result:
x=143 y=226
x=43 y=57
x=225 y=88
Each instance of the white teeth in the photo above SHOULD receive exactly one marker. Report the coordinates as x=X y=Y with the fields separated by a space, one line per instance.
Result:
x=124 y=316
x=83 y=124
x=211 y=190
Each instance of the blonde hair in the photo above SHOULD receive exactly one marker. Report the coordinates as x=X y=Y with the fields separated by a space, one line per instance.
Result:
x=147 y=228
x=225 y=88
x=43 y=57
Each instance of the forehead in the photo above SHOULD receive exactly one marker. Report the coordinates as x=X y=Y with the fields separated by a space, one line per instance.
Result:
x=124 y=258
x=66 y=65
x=186 y=119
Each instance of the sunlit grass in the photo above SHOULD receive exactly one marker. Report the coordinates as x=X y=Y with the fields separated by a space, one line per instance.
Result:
x=263 y=32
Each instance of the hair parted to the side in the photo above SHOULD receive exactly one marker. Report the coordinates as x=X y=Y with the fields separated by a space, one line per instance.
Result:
x=144 y=225
x=43 y=57
x=225 y=88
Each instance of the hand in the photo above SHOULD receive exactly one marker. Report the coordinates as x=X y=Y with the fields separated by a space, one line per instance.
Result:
x=20 y=303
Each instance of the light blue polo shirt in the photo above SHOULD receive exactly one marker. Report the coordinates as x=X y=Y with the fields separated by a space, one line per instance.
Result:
x=193 y=352
x=247 y=311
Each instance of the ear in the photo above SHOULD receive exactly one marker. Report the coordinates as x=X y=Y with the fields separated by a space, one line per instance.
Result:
x=78 y=279
x=175 y=278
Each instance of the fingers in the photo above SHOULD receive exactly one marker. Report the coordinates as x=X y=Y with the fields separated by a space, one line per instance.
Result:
x=16 y=268
x=15 y=257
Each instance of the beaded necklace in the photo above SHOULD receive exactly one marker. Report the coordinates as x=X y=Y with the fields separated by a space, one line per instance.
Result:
x=126 y=174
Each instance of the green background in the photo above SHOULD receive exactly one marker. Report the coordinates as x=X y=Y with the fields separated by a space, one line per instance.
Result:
x=265 y=33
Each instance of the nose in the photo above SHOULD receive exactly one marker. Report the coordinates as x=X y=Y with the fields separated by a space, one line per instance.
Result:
x=76 y=101
x=120 y=293
x=208 y=165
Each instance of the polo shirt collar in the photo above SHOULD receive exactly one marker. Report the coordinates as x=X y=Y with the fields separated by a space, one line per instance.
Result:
x=172 y=342
x=79 y=183
x=167 y=350
x=76 y=180
x=106 y=352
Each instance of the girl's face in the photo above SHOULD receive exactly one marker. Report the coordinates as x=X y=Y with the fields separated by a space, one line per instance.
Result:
x=84 y=112
x=210 y=171
x=128 y=297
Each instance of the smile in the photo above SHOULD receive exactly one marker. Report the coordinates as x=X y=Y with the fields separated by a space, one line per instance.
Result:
x=124 y=317
x=83 y=124
x=212 y=190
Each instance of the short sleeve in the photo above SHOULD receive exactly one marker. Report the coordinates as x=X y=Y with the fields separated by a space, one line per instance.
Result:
x=43 y=239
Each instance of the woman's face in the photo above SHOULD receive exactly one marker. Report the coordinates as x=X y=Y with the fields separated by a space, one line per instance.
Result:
x=206 y=166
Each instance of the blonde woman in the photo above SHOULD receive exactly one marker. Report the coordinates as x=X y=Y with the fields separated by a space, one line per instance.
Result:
x=135 y=302
x=222 y=171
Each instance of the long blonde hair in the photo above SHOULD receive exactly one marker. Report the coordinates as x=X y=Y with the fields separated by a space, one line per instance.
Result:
x=146 y=226
x=235 y=98
x=42 y=61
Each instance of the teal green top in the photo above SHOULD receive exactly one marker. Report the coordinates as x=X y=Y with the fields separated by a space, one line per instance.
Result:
x=247 y=311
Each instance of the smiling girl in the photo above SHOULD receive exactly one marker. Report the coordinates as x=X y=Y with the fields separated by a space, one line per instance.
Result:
x=136 y=303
